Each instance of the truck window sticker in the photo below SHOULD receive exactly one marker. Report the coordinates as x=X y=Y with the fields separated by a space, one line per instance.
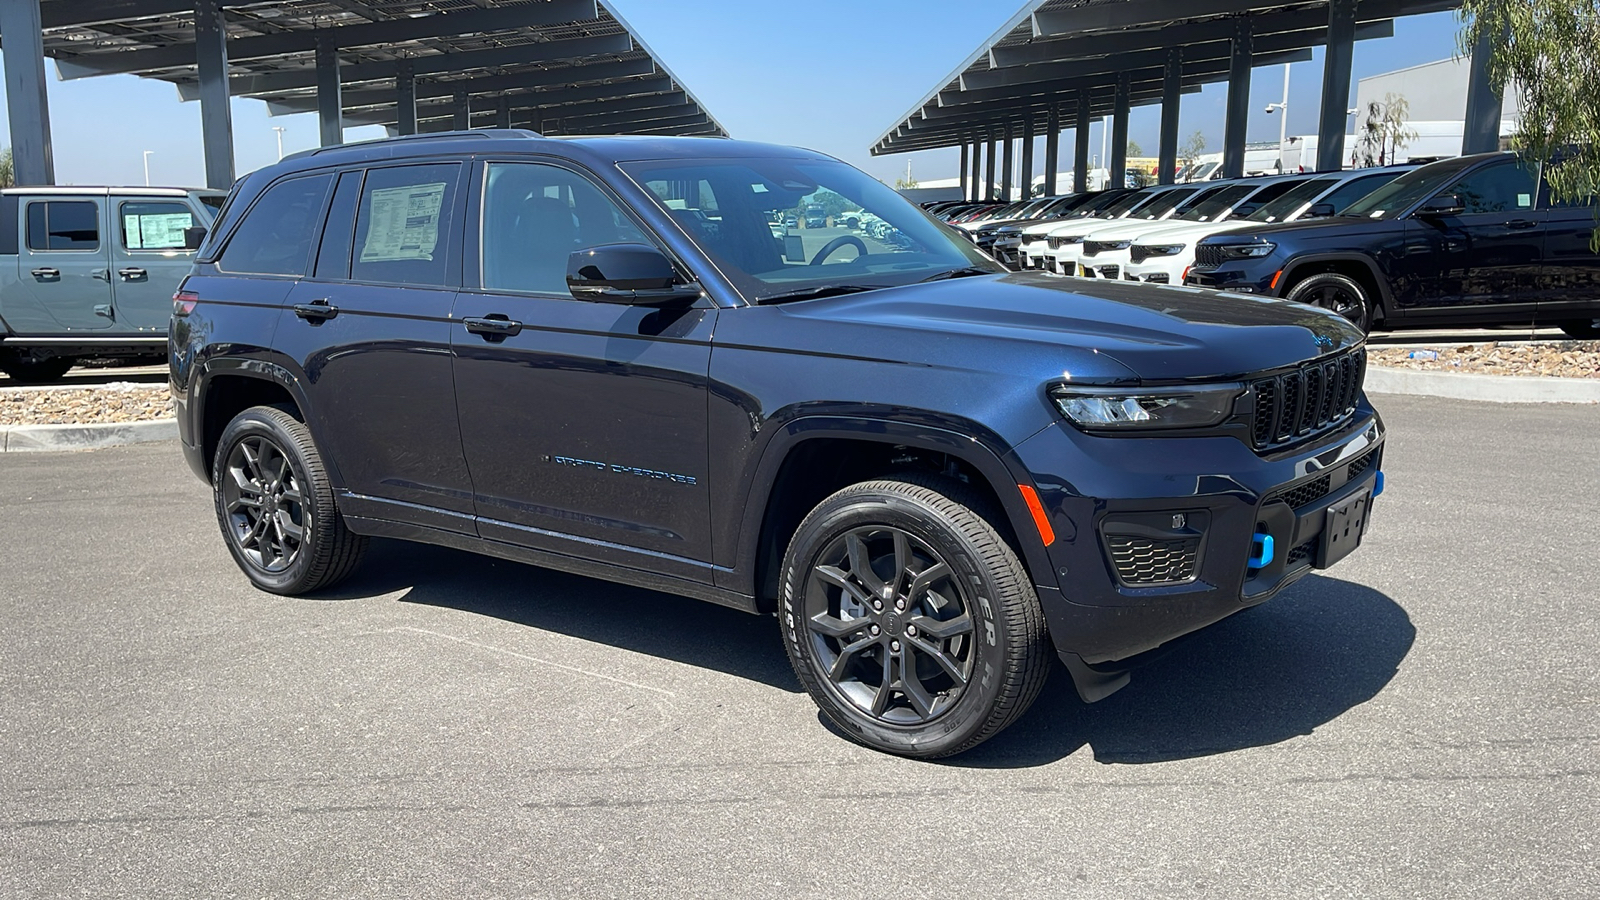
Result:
x=404 y=223
x=155 y=231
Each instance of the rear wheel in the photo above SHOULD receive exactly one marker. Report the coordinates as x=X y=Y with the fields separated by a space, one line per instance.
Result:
x=1584 y=329
x=275 y=505
x=31 y=370
x=1338 y=294
x=910 y=620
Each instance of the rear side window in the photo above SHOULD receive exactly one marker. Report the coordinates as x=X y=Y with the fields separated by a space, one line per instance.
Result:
x=403 y=224
x=275 y=236
x=154 y=225
x=64 y=225
x=333 y=257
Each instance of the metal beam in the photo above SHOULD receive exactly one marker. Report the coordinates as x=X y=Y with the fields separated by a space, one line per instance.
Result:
x=988 y=180
x=1481 y=133
x=977 y=170
x=1237 y=117
x=1118 y=165
x=461 y=112
x=330 y=123
x=27 y=104
x=405 y=101
x=260 y=85
x=388 y=31
x=1052 y=148
x=567 y=124
x=216 y=114
x=1336 y=71
x=675 y=102
x=497 y=85
x=1135 y=13
x=1171 y=106
x=1006 y=156
x=965 y=163
x=502 y=112
x=1080 y=150
x=626 y=126
x=1025 y=180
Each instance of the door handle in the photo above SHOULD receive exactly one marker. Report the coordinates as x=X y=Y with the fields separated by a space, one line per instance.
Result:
x=317 y=311
x=104 y=310
x=103 y=275
x=1521 y=224
x=132 y=273
x=494 y=327
x=45 y=273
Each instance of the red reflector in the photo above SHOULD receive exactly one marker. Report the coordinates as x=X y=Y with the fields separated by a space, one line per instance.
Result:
x=1040 y=520
x=1275 y=276
x=1186 y=271
x=183 y=302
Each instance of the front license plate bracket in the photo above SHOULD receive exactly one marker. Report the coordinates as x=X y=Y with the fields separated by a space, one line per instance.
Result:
x=1343 y=528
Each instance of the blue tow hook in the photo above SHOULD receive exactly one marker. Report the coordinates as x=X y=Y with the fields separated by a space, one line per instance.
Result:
x=1261 y=551
x=1377 y=489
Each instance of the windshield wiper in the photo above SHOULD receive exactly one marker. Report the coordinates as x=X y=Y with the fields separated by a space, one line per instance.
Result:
x=815 y=293
x=959 y=273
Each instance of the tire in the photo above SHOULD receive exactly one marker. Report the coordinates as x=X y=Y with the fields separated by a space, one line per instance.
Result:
x=1582 y=329
x=1338 y=294
x=36 y=371
x=958 y=589
x=289 y=473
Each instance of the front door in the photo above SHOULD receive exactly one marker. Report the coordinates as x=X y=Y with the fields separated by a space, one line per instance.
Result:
x=584 y=423
x=148 y=259
x=1484 y=262
x=1569 y=280
x=64 y=266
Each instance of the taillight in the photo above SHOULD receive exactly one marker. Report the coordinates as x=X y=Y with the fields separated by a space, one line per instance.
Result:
x=183 y=303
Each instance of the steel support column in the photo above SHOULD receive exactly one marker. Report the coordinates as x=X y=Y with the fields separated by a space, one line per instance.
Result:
x=977 y=171
x=988 y=183
x=1171 y=106
x=405 y=95
x=1026 y=179
x=1080 y=150
x=461 y=109
x=966 y=183
x=1484 y=100
x=502 y=112
x=1336 y=70
x=1238 y=105
x=1052 y=148
x=1007 y=158
x=1116 y=171
x=216 y=115
x=330 y=105
x=27 y=105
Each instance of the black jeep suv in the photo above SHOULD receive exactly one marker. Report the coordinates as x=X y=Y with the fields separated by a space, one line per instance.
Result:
x=595 y=355
x=1473 y=240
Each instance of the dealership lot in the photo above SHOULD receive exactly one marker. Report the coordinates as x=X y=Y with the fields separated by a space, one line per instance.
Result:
x=1419 y=722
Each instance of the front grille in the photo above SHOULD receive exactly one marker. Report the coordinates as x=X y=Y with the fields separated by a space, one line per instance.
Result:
x=1141 y=561
x=1360 y=466
x=1308 y=400
x=1306 y=494
x=1095 y=248
x=1141 y=252
x=1157 y=278
x=1207 y=256
x=1300 y=554
x=1110 y=271
x=1059 y=241
x=1032 y=238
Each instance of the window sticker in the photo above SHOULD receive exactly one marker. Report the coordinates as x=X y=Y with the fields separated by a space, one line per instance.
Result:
x=159 y=231
x=1524 y=201
x=405 y=223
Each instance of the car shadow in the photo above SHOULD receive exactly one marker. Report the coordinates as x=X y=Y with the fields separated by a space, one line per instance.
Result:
x=662 y=625
x=1266 y=675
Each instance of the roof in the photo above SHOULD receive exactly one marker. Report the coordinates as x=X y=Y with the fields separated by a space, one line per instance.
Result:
x=101 y=191
x=1054 y=51
x=571 y=62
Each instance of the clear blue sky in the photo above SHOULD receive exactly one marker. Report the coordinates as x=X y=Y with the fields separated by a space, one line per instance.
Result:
x=826 y=74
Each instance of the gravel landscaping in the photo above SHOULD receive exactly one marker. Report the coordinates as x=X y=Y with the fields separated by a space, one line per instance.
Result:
x=112 y=403
x=1556 y=359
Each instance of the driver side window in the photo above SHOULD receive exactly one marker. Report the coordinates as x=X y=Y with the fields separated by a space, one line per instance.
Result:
x=534 y=217
x=1506 y=187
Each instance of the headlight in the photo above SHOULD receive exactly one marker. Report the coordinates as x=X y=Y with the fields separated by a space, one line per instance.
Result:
x=1146 y=408
x=1247 y=251
x=1160 y=249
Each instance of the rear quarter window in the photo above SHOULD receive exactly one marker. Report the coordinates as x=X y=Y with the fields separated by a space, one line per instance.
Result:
x=274 y=237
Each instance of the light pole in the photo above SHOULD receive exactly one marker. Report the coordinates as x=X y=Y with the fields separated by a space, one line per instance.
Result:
x=1283 y=123
x=147 y=167
x=279 y=129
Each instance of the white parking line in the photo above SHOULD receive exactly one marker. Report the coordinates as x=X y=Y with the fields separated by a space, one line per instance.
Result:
x=533 y=659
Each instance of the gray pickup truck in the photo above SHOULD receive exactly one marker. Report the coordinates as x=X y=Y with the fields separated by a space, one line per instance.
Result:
x=89 y=272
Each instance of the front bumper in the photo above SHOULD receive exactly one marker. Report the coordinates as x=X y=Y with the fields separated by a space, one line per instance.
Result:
x=1107 y=264
x=1240 y=276
x=1193 y=511
x=1158 y=269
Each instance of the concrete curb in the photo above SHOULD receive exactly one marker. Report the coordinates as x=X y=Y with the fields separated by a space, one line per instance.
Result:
x=1487 y=388
x=32 y=438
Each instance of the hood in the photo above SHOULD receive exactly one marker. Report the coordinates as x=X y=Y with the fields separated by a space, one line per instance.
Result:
x=1190 y=231
x=1124 y=229
x=1314 y=227
x=1097 y=330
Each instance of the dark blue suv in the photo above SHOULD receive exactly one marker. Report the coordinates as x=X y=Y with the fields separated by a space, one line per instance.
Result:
x=1474 y=240
x=599 y=355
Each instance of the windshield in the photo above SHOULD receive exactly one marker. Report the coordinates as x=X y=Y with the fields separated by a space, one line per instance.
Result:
x=1218 y=203
x=725 y=206
x=1125 y=204
x=1166 y=201
x=1203 y=171
x=1291 y=202
x=1406 y=191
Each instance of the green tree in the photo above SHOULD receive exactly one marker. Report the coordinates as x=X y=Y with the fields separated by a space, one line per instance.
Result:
x=1385 y=133
x=1547 y=49
x=1134 y=149
x=8 y=169
x=1192 y=149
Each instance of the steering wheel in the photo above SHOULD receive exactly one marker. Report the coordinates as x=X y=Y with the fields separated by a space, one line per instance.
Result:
x=836 y=243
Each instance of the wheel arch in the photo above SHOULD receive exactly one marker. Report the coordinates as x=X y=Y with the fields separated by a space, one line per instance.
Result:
x=1352 y=265
x=226 y=387
x=813 y=457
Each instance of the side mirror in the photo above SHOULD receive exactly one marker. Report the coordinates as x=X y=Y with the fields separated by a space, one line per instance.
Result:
x=193 y=237
x=630 y=274
x=1442 y=205
x=1321 y=211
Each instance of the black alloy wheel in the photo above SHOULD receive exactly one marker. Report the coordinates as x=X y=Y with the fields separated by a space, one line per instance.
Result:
x=909 y=619
x=275 y=505
x=1337 y=294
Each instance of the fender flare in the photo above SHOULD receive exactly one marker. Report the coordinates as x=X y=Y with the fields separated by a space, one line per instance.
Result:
x=992 y=459
x=1385 y=295
x=259 y=370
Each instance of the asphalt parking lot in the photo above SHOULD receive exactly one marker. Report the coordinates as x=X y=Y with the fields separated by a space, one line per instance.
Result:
x=1422 y=721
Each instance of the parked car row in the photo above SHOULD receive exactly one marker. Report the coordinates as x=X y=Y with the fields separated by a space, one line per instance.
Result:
x=1472 y=240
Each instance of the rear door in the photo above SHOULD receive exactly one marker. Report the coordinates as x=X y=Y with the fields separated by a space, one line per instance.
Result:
x=148 y=259
x=1569 y=277
x=1482 y=263
x=64 y=265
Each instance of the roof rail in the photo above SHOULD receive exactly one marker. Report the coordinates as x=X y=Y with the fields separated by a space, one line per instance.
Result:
x=502 y=133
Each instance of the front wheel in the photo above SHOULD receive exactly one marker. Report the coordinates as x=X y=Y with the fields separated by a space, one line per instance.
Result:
x=1338 y=294
x=274 y=502
x=29 y=370
x=909 y=619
